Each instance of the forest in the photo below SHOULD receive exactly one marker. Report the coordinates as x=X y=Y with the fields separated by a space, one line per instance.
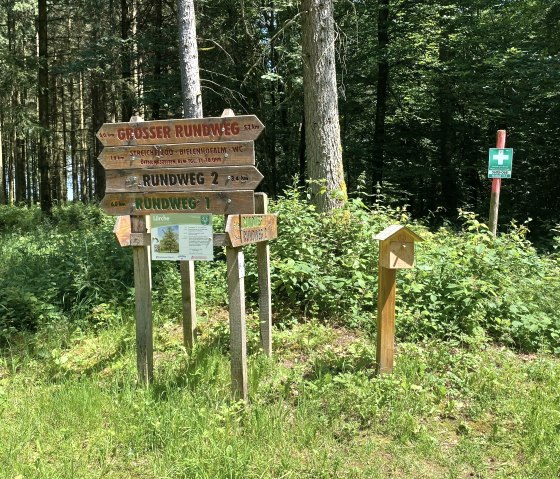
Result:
x=115 y=366
x=422 y=88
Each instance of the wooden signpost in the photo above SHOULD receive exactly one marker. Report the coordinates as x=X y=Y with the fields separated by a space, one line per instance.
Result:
x=201 y=165
x=248 y=229
x=396 y=251
x=221 y=178
x=191 y=130
x=178 y=156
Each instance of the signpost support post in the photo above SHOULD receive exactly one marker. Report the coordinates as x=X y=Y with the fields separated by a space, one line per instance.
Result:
x=143 y=303
x=237 y=324
x=396 y=251
x=496 y=187
x=188 y=296
x=263 y=270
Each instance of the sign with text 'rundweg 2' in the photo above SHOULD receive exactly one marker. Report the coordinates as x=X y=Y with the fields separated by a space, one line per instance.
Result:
x=197 y=165
x=182 y=237
x=500 y=162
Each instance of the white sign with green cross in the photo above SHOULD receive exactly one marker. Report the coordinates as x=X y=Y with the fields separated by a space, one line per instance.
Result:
x=499 y=162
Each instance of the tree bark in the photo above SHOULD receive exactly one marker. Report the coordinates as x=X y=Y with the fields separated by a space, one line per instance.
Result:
x=192 y=108
x=43 y=87
x=188 y=59
x=448 y=177
x=322 y=128
x=127 y=93
x=2 y=186
x=381 y=94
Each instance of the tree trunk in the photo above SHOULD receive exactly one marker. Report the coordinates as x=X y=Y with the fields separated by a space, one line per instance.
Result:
x=381 y=94
x=98 y=113
x=127 y=96
x=158 y=60
x=43 y=87
x=188 y=59
x=445 y=103
x=322 y=128
x=2 y=186
x=192 y=108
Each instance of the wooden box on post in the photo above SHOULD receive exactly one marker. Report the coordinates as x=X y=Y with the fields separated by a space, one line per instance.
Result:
x=396 y=251
x=396 y=247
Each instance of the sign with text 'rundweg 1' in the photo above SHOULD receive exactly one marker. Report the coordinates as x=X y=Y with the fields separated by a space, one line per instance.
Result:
x=500 y=162
x=199 y=165
x=248 y=229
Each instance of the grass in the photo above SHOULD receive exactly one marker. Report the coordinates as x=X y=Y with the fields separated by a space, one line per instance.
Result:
x=70 y=408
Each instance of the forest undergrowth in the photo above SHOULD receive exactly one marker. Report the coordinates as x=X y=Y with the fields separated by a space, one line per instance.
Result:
x=475 y=392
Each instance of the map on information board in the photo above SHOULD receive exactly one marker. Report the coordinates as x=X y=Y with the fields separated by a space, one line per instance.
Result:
x=182 y=237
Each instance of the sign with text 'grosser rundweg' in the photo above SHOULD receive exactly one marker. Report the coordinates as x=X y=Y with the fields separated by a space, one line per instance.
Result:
x=200 y=165
x=193 y=130
x=248 y=229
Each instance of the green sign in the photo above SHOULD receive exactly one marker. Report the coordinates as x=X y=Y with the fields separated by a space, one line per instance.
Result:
x=499 y=162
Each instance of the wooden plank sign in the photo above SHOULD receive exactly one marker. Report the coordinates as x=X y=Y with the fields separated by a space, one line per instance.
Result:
x=224 y=203
x=193 y=130
x=223 y=178
x=235 y=153
x=247 y=229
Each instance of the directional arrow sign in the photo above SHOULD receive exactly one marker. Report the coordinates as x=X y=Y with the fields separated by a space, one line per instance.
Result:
x=500 y=162
x=223 y=203
x=173 y=156
x=223 y=178
x=247 y=229
x=194 y=130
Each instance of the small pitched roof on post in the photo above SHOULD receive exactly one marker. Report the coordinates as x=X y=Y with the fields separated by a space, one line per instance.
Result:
x=394 y=229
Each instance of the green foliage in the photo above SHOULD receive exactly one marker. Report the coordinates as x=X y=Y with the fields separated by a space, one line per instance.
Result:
x=473 y=284
x=61 y=267
x=466 y=283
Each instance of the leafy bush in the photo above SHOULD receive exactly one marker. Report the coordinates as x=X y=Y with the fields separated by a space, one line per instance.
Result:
x=466 y=283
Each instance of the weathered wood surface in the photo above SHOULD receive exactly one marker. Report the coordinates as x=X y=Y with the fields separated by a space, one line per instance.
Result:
x=237 y=324
x=122 y=230
x=222 y=178
x=396 y=247
x=248 y=229
x=236 y=153
x=192 y=130
x=387 y=286
x=143 y=305
x=188 y=296
x=265 y=290
x=232 y=202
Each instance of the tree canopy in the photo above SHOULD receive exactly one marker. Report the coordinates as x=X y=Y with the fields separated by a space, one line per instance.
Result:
x=422 y=89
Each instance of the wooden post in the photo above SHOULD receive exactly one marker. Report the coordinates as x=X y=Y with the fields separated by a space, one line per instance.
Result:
x=237 y=327
x=263 y=269
x=386 y=319
x=396 y=251
x=143 y=304
x=188 y=294
x=496 y=186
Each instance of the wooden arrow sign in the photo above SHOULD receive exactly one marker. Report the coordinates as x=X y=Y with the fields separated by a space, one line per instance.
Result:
x=193 y=130
x=235 y=153
x=223 y=203
x=248 y=229
x=225 y=178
